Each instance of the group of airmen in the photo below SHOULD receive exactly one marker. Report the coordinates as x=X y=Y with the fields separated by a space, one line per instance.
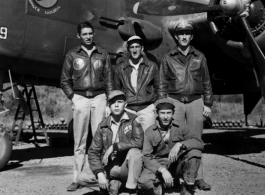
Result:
x=146 y=120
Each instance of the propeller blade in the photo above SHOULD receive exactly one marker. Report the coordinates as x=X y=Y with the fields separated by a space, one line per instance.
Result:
x=172 y=8
x=257 y=54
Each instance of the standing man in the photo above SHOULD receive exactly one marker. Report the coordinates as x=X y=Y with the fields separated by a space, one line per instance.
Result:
x=114 y=155
x=86 y=80
x=137 y=77
x=184 y=78
x=170 y=150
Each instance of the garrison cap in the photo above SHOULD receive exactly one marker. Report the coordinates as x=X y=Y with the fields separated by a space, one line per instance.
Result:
x=164 y=103
x=116 y=93
x=183 y=24
x=134 y=38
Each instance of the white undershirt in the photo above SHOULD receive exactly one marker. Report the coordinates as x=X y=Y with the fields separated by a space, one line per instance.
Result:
x=115 y=127
x=88 y=51
x=134 y=73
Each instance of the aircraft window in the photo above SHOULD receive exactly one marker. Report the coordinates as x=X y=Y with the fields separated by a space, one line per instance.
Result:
x=46 y=3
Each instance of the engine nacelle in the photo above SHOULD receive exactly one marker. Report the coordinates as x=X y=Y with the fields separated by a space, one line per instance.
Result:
x=229 y=35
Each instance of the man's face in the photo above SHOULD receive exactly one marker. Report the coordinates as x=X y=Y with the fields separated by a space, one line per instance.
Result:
x=86 y=35
x=135 y=50
x=184 y=37
x=117 y=105
x=165 y=116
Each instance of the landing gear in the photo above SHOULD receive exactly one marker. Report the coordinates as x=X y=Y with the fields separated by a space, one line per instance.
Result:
x=5 y=148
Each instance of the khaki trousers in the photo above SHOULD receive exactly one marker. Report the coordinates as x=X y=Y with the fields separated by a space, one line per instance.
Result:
x=129 y=170
x=85 y=110
x=146 y=117
x=192 y=114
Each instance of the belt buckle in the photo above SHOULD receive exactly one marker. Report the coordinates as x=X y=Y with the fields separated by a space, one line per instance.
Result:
x=88 y=93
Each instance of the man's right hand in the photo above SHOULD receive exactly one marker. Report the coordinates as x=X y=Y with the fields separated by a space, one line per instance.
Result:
x=169 y=180
x=102 y=181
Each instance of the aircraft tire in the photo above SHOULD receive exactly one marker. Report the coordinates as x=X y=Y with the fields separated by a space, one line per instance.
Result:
x=5 y=148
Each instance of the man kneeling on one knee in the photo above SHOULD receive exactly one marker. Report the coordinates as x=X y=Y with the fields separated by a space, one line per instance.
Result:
x=170 y=150
x=114 y=154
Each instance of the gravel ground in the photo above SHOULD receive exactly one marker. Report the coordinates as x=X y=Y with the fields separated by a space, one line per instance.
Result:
x=234 y=163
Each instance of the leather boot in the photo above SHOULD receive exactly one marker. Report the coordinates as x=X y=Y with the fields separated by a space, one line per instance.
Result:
x=73 y=187
x=202 y=185
x=187 y=189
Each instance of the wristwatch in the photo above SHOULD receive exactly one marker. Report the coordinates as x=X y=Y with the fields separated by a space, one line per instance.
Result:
x=183 y=147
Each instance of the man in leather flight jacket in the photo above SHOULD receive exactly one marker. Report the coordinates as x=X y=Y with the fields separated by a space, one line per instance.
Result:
x=114 y=154
x=86 y=80
x=137 y=77
x=184 y=78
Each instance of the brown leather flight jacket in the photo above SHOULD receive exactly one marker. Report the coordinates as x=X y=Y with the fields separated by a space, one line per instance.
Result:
x=187 y=81
x=86 y=75
x=147 y=83
x=130 y=134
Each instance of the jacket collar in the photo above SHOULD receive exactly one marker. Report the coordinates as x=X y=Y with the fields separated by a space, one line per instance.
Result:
x=107 y=121
x=123 y=117
x=175 y=51
x=145 y=61
x=97 y=49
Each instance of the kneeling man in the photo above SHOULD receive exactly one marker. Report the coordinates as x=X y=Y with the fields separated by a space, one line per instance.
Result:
x=170 y=150
x=114 y=154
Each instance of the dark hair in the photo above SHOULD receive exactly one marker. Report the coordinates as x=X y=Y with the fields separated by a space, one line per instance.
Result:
x=84 y=25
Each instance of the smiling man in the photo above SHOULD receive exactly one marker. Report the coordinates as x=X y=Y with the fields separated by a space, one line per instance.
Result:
x=137 y=77
x=170 y=150
x=114 y=155
x=86 y=80
x=184 y=78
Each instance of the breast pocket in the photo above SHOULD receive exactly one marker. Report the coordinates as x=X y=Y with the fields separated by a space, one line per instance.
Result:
x=197 y=83
x=149 y=89
x=177 y=138
x=156 y=142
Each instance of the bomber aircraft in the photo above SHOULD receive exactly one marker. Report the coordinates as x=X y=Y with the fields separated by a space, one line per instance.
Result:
x=35 y=36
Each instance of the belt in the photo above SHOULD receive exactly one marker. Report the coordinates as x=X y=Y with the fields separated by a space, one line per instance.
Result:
x=184 y=98
x=89 y=93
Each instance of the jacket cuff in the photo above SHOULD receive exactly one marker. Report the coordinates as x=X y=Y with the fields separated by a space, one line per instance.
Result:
x=71 y=96
x=98 y=171
x=208 y=105
x=115 y=147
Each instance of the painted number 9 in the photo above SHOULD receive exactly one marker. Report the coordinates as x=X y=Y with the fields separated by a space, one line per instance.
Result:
x=3 y=33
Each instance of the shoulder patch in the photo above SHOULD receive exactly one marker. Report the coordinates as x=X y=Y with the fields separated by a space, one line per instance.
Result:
x=127 y=129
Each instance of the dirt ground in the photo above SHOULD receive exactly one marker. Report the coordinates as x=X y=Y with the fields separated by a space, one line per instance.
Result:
x=234 y=163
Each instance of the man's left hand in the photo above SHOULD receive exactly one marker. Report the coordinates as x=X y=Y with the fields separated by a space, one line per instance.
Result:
x=173 y=155
x=106 y=155
x=206 y=111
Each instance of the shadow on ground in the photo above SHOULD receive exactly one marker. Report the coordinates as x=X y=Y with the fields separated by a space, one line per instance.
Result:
x=235 y=142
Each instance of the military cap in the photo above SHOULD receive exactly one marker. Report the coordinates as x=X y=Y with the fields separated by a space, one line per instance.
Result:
x=115 y=93
x=134 y=38
x=183 y=24
x=164 y=103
